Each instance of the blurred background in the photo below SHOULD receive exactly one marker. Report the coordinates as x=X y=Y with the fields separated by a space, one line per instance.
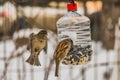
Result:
x=19 y=18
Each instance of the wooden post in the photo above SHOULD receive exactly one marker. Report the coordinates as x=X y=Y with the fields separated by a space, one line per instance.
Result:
x=110 y=10
x=85 y=9
x=117 y=45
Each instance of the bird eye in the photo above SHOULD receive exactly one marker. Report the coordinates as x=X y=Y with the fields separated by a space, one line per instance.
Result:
x=36 y=50
x=41 y=40
x=32 y=38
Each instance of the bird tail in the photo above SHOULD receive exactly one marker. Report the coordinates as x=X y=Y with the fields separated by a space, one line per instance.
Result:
x=33 y=60
x=57 y=69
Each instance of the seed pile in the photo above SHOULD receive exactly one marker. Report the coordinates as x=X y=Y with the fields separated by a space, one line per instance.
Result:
x=78 y=55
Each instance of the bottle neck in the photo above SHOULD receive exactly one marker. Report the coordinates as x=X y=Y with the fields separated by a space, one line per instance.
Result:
x=73 y=12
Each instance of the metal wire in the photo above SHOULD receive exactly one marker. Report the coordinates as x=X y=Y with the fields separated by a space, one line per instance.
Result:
x=72 y=1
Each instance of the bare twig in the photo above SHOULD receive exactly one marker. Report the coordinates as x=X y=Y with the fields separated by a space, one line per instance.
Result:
x=48 y=69
x=24 y=69
x=12 y=56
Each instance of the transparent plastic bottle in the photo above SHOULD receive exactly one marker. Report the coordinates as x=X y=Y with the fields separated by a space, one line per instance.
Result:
x=77 y=27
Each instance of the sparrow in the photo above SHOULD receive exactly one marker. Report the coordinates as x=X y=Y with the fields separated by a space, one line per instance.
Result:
x=61 y=51
x=37 y=44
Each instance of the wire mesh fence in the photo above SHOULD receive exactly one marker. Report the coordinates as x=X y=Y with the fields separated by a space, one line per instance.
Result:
x=104 y=64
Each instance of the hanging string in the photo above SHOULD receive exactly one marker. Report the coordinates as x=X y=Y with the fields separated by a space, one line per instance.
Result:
x=72 y=1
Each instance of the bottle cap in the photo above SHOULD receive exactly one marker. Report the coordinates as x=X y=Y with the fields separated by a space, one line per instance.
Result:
x=71 y=7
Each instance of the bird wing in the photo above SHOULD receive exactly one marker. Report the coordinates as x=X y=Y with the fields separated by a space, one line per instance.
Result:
x=62 y=49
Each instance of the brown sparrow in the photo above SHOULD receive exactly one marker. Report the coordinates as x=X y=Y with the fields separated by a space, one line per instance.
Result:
x=61 y=51
x=37 y=43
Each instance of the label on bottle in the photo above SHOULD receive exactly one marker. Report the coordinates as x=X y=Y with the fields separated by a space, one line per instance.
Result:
x=78 y=35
